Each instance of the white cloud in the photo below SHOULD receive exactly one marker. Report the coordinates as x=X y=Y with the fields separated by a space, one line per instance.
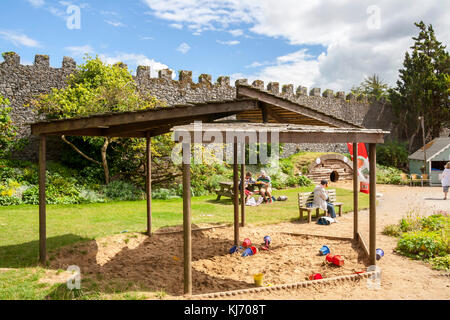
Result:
x=108 y=13
x=228 y=43
x=351 y=51
x=115 y=23
x=183 y=48
x=146 y=38
x=178 y=26
x=79 y=51
x=19 y=39
x=36 y=3
x=236 y=32
x=134 y=60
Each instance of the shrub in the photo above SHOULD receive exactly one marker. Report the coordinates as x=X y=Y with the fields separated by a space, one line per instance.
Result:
x=392 y=230
x=304 y=181
x=53 y=195
x=120 y=190
x=164 y=194
x=388 y=175
x=441 y=263
x=9 y=201
x=422 y=245
x=434 y=223
x=291 y=181
x=90 y=196
x=393 y=154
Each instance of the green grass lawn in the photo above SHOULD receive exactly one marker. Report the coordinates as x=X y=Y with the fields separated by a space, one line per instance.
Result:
x=69 y=224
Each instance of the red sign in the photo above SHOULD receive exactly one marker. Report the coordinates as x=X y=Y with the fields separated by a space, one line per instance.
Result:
x=363 y=166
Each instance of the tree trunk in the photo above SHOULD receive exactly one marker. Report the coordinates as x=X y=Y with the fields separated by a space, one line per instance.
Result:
x=79 y=151
x=411 y=140
x=104 y=161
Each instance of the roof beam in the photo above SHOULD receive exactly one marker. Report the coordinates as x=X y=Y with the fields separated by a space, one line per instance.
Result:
x=160 y=114
x=245 y=91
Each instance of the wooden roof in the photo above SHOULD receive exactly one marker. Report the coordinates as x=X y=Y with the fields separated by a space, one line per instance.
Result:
x=252 y=105
x=287 y=133
x=433 y=148
x=282 y=110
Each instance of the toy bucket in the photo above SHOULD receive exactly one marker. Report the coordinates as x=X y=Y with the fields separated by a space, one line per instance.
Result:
x=379 y=253
x=234 y=249
x=246 y=243
x=329 y=258
x=315 y=276
x=324 y=251
x=338 y=260
x=258 y=278
x=267 y=240
x=247 y=252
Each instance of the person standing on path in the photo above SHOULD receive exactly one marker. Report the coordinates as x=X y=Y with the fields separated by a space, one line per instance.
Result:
x=445 y=179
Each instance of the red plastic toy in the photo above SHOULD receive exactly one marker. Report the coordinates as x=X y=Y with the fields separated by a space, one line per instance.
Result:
x=246 y=243
x=315 y=276
x=336 y=260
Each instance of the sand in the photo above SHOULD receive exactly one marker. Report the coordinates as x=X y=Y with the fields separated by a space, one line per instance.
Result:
x=143 y=264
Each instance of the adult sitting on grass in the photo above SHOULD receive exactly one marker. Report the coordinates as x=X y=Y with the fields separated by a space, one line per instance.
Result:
x=265 y=185
x=321 y=199
x=249 y=186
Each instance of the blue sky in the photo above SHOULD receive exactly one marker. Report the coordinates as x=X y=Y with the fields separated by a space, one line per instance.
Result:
x=323 y=43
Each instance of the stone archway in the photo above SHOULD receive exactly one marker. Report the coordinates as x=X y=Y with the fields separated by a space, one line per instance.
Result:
x=331 y=167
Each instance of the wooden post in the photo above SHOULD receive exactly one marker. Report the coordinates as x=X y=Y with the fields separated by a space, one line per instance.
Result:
x=187 y=236
x=372 y=196
x=243 y=192
x=355 y=191
x=42 y=205
x=149 y=184
x=236 y=194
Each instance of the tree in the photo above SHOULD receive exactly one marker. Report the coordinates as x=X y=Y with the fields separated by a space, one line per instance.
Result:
x=95 y=88
x=7 y=130
x=373 y=87
x=422 y=89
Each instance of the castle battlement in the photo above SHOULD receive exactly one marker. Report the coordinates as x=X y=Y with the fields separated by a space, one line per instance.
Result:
x=42 y=63
x=21 y=83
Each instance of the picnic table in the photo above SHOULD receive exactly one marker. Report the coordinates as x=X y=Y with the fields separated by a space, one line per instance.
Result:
x=226 y=190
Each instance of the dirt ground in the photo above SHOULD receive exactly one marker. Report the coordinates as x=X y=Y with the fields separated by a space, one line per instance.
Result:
x=156 y=262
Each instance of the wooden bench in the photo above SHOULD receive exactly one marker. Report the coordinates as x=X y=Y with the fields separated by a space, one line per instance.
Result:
x=306 y=203
x=226 y=190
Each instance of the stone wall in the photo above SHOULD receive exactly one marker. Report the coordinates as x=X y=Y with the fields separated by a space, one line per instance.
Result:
x=20 y=83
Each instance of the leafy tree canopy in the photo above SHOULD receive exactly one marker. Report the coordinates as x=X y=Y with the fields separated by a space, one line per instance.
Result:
x=373 y=87
x=94 y=88
x=423 y=88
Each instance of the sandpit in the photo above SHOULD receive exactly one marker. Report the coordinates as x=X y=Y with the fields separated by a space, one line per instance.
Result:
x=156 y=264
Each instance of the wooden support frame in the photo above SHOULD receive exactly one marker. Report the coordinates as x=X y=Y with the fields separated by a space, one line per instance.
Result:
x=355 y=190
x=372 y=199
x=148 y=184
x=236 y=194
x=243 y=190
x=187 y=228
x=42 y=201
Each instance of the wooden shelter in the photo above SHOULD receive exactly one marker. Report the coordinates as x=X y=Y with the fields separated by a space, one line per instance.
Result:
x=296 y=124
